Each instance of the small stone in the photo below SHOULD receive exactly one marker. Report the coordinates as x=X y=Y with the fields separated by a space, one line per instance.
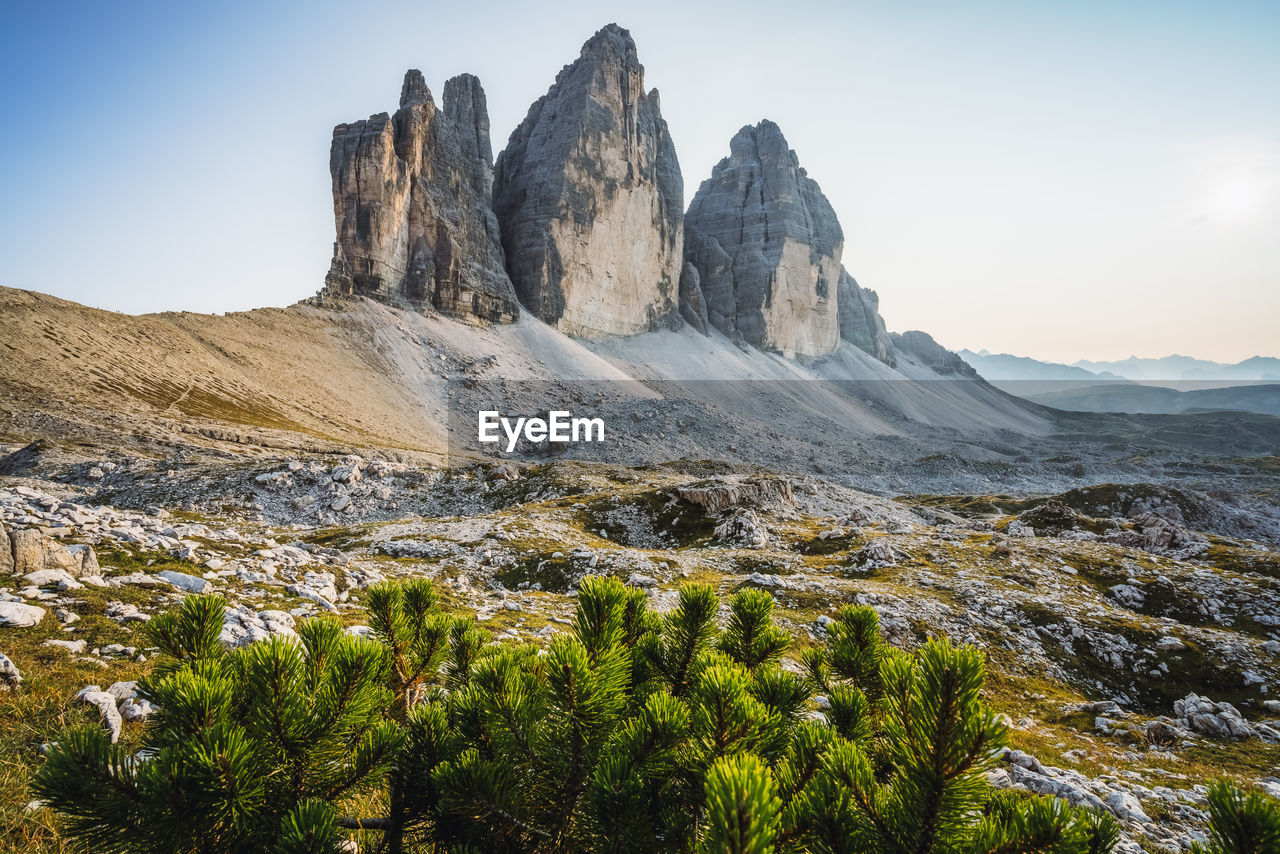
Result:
x=75 y=647
x=106 y=704
x=123 y=690
x=182 y=581
x=9 y=675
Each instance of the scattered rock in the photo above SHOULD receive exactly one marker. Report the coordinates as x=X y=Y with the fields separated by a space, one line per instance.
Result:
x=75 y=647
x=6 y=552
x=16 y=616
x=106 y=704
x=876 y=554
x=9 y=675
x=242 y=626
x=58 y=578
x=765 y=580
x=1128 y=596
x=744 y=528
x=1221 y=720
x=33 y=552
x=182 y=581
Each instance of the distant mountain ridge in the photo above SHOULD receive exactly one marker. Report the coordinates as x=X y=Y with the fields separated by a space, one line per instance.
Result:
x=1187 y=368
x=1165 y=370
x=1004 y=367
x=1165 y=386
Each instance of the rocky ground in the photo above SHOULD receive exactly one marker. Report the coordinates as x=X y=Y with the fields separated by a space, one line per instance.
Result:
x=1133 y=632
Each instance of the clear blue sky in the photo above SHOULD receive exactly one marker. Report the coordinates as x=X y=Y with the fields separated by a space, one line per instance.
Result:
x=1060 y=180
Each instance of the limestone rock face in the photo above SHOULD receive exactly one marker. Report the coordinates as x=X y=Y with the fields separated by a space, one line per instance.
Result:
x=693 y=308
x=766 y=244
x=590 y=198
x=467 y=109
x=860 y=321
x=411 y=202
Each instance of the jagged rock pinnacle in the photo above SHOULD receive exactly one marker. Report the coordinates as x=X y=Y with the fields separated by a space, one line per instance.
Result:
x=589 y=197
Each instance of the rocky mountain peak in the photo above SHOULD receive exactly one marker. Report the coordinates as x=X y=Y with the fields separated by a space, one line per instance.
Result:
x=611 y=43
x=414 y=91
x=467 y=109
x=766 y=244
x=589 y=197
x=411 y=206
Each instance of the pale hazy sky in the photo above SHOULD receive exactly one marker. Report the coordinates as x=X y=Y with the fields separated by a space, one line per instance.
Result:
x=1062 y=180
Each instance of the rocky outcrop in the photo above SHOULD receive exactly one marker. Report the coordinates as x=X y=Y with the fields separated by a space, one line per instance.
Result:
x=35 y=552
x=1154 y=533
x=921 y=347
x=589 y=196
x=1221 y=720
x=411 y=201
x=860 y=321
x=766 y=244
x=719 y=494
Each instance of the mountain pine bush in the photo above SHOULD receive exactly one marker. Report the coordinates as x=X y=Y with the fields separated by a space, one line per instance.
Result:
x=1240 y=823
x=631 y=733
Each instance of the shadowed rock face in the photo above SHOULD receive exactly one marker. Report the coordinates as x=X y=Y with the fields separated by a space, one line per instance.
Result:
x=766 y=245
x=860 y=321
x=692 y=307
x=931 y=354
x=589 y=195
x=411 y=201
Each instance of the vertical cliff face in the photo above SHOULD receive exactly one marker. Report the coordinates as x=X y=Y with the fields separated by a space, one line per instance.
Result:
x=468 y=111
x=766 y=245
x=589 y=196
x=860 y=321
x=410 y=198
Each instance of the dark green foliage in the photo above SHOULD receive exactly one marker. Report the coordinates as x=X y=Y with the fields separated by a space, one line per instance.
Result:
x=249 y=749
x=631 y=733
x=1240 y=823
x=751 y=638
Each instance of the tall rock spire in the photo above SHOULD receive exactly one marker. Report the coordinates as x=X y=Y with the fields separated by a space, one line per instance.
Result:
x=589 y=196
x=411 y=204
x=766 y=245
x=465 y=105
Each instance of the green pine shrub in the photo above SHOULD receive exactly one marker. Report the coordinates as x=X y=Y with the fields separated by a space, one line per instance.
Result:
x=632 y=733
x=1240 y=823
